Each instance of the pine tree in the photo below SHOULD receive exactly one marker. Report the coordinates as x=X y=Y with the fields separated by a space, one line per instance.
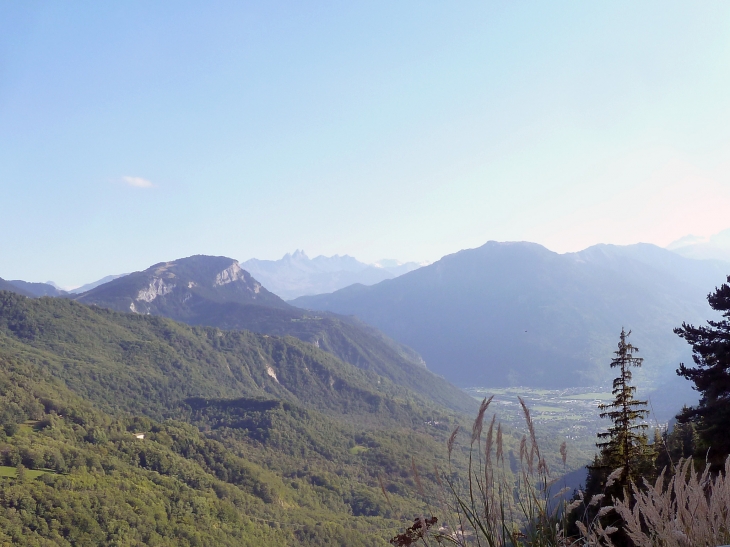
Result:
x=711 y=376
x=625 y=443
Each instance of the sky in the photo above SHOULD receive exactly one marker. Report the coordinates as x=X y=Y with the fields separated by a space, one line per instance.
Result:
x=138 y=132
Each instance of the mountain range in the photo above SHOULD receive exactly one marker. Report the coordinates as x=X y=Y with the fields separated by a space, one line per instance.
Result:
x=187 y=404
x=507 y=314
x=296 y=274
x=218 y=292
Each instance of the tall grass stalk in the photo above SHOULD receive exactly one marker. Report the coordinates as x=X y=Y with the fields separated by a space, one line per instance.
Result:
x=494 y=507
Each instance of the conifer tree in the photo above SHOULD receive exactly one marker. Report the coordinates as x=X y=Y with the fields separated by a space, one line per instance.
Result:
x=711 y=376
x=625 y=444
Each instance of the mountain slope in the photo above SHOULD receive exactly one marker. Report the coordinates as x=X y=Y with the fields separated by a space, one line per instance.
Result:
x=12 y=287
x=174 y=288
x=147 y=362
x=519 y=314
x=296 y=274
x=215 y=291
x=239 y=430
x=38 y=289
x=94 y=284
x=97 y=484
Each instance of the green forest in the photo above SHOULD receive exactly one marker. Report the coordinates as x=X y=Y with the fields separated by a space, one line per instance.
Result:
x=244 y=439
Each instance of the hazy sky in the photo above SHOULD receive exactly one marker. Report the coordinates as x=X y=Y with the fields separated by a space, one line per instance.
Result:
x=137 y=132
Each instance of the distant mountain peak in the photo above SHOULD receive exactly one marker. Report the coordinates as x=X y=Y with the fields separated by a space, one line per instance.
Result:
x=299 y=254
x=172 y=288
x=295 y=274
x=387 y=263
x=715 y=247
x=34 y=290
x=686 y=240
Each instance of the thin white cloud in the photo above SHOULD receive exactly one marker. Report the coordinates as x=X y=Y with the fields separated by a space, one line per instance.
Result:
x=138 y=182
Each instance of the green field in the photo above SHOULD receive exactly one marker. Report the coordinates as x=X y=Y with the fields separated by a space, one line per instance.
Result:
x=6 y=471
x=543 y=408
x=570 y=414
x=604 y=396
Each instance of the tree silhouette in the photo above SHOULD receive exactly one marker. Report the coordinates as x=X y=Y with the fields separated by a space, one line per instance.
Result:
x=711 y=376
x=625 y=444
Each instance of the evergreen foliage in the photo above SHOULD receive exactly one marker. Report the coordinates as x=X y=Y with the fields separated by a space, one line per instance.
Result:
x=711 y=377
x=625 y=443
x=677 y=443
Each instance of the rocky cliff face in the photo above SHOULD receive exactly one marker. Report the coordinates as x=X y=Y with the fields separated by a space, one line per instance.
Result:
x=173 y=288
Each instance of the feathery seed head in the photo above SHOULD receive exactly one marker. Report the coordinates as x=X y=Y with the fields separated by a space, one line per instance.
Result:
x=613 y=476
x=450 y=443
x=595 y=500
x=476 y=430
x=490 y=437
x=500 y=448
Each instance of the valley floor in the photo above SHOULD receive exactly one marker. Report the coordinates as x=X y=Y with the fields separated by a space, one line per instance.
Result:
x=571 y=414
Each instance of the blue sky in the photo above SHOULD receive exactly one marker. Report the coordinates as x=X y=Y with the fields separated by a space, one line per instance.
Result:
x=137 y=132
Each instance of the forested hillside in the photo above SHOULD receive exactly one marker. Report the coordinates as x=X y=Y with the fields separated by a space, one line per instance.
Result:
x=248 y=439
x=215 y=291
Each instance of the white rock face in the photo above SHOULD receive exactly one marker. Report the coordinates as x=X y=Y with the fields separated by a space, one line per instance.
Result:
x=157 y=287
x=233 y=273
x=270 y=372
